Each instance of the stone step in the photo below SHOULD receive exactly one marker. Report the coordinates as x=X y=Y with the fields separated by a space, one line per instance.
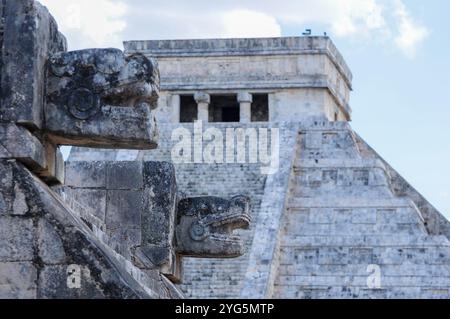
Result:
x=363 y=241
x=342 y=229
x=361 y=269
x=327 y=143
x=361 y=281
x=341 y=177
x=359 y=163
x=348 y=202
x=339 y=255
x=355 y=191
x=359 y=215
x=338 y=292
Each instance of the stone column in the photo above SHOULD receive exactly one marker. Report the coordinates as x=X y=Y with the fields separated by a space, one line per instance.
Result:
x=203 y=100
x=174 y=103
x=245 y=100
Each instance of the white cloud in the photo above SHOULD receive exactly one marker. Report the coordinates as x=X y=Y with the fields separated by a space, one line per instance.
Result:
x=90 y=23
x=342 y=17
x=246 y=23
x=358 y=18
x=411 y=34
x=106 y=22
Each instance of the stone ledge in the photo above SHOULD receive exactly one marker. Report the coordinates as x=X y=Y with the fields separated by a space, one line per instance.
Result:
x=237 y=47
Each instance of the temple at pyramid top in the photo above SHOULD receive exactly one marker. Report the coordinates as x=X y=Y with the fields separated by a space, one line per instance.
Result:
x=250 y=80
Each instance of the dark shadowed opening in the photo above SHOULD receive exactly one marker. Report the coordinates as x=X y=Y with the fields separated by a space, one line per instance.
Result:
x=224 y=108
x=188 y=109
x=260 y=108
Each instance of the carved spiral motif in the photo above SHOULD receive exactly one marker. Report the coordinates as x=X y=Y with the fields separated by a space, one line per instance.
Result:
x=83 y=103
x=198 y=232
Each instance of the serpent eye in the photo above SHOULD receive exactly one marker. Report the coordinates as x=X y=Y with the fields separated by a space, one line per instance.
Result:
x=198 y=232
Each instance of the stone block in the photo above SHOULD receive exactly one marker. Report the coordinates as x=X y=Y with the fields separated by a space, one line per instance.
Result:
x=6 y=176
x=85 y=174
x=123 y=209
x=441 y=256
x=329 y=139
x=4 y=153
x=124 y=175
x=306 y=255
x=60 y=167
x=92 y=200
x=361 y=177
x=345 y=177
x=362 y=256
x=160 y=193
x=23 y=146
x=20 y=206
x=364 y=216
x=313 y=140
x=321 y=216
x=5 y=207
x=54 y=172
x=67 y=282
x=154 y=257
x=16 y=236
x=401 y=255
x=6 y=191
x=123 y=240
x=17 y=280
x=333 y=256
x=24 y=57
x=51 y=248
x=378 y=177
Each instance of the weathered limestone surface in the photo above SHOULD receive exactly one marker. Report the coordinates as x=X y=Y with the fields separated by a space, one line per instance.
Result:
x=435 y=222
x=336 y=211
x=50 y=97
x=144 y=220
x=100 y=97
x=209 y=278
x=24 y=55
x=42 y=240
x=343 y=216
x=97 y=97
x=204 y=226
x=304 y=76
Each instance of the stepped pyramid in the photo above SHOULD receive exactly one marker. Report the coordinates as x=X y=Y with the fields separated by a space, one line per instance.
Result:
x=345 y=219
x=335 y=220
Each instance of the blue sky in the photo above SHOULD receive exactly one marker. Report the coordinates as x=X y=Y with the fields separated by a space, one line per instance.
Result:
x=398 y=51
x=402 y=105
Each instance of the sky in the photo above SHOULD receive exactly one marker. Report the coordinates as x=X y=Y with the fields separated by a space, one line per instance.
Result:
x=398 y=51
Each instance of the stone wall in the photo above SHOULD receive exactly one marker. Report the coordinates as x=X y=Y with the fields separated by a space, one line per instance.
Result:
x=304 y=75
x=213 y=278
x=335 y=221
x=263 y=254
x=330 y=218
x=2 y=24
x=48 y=252
x=202 y=278
x=344 y=221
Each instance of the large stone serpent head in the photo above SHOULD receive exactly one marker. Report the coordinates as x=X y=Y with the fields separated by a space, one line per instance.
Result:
x=102 y=98
x=205 y=226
